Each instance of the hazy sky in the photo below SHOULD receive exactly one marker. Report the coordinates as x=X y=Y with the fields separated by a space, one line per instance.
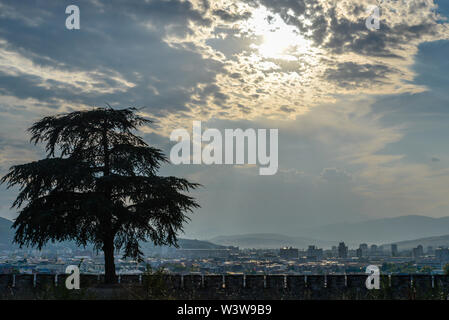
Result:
x=362 y=115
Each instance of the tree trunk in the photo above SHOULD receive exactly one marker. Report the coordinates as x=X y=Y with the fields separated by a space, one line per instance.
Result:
x=109 y=265
x=108 y=242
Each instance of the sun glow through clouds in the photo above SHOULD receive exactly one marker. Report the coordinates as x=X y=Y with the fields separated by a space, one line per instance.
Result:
x=278 y=40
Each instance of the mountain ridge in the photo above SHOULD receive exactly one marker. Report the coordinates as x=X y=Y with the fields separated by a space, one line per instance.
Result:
x=376 y=231
x=435 y=242
x=383 y=230
x=7 y=235
x=402 y=229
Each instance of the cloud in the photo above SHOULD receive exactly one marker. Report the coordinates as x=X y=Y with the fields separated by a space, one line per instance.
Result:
x=201 y=59
x=330 y=47
x=349 y=74
x=131 y=64
x=230 y=16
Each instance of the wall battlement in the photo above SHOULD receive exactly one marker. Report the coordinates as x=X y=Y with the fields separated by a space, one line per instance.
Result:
x=297 y=287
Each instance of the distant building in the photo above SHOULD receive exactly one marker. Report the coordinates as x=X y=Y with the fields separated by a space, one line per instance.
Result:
x=362 y=251
x=430 y=250
x=442 y=255
x=418 y=251
x=394 y=250
x=342 y=250
x=364 y=248
x=334 y=251
x=289 y=253
x=314 y=253
x=374 y=250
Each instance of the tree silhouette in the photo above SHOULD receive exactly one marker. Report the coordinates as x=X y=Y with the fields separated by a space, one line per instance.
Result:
x=98 y=185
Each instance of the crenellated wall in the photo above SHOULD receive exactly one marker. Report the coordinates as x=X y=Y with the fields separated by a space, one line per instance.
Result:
x=42 y=286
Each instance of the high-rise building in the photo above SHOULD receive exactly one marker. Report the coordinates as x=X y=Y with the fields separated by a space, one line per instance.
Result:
x=334 y=251
x=394 y=250
x=373 y=250
x=362 y=250
x=342 y=250
x=314 y=253
x=289 y=253
x=418 y=251
x=442 y=254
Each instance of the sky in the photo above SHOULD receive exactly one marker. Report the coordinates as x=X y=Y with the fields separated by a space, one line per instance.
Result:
x=362 y=114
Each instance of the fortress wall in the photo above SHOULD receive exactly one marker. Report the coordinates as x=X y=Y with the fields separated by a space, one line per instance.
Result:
x=291 y=287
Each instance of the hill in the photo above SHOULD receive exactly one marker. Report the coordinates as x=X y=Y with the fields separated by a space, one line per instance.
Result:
x=378 y=231
x=381 y=231
x=407 y=231
x=435 y=242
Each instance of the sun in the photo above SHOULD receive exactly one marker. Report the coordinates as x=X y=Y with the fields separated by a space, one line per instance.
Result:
x=278 y=40
x=278 y=44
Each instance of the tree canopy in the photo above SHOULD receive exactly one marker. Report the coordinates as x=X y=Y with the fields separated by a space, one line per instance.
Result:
x=98 y=185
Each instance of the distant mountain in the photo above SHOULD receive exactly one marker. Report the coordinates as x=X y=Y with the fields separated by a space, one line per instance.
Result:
x=435 y=242
x=402 y=230
x=197 y=244
x=381 y=231
x=186 y=244
x=268 y=240
x=378 y=231
x=7 y=235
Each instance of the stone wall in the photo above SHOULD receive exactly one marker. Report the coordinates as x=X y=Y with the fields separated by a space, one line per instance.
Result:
x=290 y=287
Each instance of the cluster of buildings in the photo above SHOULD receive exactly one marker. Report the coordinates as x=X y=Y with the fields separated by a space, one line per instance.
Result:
x=288 y=260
